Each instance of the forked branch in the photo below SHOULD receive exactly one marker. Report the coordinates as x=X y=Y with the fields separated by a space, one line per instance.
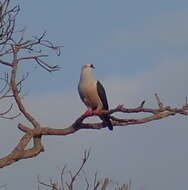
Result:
x=21 y=151
x=95 y=183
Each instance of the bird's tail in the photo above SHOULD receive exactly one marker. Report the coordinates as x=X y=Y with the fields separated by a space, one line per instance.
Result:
x=106 y=119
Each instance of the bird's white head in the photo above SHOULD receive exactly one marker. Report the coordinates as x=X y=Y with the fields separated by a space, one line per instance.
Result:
x=87 y=71
x=88 y=67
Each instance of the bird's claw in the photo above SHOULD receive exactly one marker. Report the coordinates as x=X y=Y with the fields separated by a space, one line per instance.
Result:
x=88 y=112
x=94 y=112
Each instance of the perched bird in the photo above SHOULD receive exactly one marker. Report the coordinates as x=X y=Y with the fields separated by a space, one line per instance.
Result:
x=93 y=94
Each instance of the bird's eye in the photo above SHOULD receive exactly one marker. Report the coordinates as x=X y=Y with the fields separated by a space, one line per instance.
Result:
x=92 y=66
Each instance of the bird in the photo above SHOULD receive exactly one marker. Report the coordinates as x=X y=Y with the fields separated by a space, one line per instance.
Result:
x=93 y=94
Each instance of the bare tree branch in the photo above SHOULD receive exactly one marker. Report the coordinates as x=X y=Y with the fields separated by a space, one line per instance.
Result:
x=52 y=186
x=4 y=114
x=98 y=184
x=40 y=131
x=62 y=179
x=73 y=178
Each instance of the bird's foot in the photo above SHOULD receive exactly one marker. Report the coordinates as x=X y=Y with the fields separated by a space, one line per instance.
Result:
x=88 y=112
x=91 y=112
x=95 y=112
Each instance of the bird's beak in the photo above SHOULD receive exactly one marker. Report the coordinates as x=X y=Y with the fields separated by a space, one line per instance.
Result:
x=92 y=66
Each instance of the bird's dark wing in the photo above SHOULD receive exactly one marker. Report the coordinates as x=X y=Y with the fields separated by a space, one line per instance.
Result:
x=102 y=95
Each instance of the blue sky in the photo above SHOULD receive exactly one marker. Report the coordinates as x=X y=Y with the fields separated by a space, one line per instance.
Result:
x=138 y=48
x=117 y=36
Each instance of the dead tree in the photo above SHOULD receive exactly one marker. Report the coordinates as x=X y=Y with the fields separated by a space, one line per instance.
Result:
x=69 y=180
x=15 y=51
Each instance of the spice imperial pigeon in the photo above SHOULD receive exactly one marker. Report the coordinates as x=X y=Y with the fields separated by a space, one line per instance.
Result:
x=93 y=94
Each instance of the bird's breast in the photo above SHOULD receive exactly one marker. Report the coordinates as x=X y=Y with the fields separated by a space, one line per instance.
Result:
x=88 y=91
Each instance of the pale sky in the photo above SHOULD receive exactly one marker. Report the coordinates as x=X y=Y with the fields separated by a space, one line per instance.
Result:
x=138 y=48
